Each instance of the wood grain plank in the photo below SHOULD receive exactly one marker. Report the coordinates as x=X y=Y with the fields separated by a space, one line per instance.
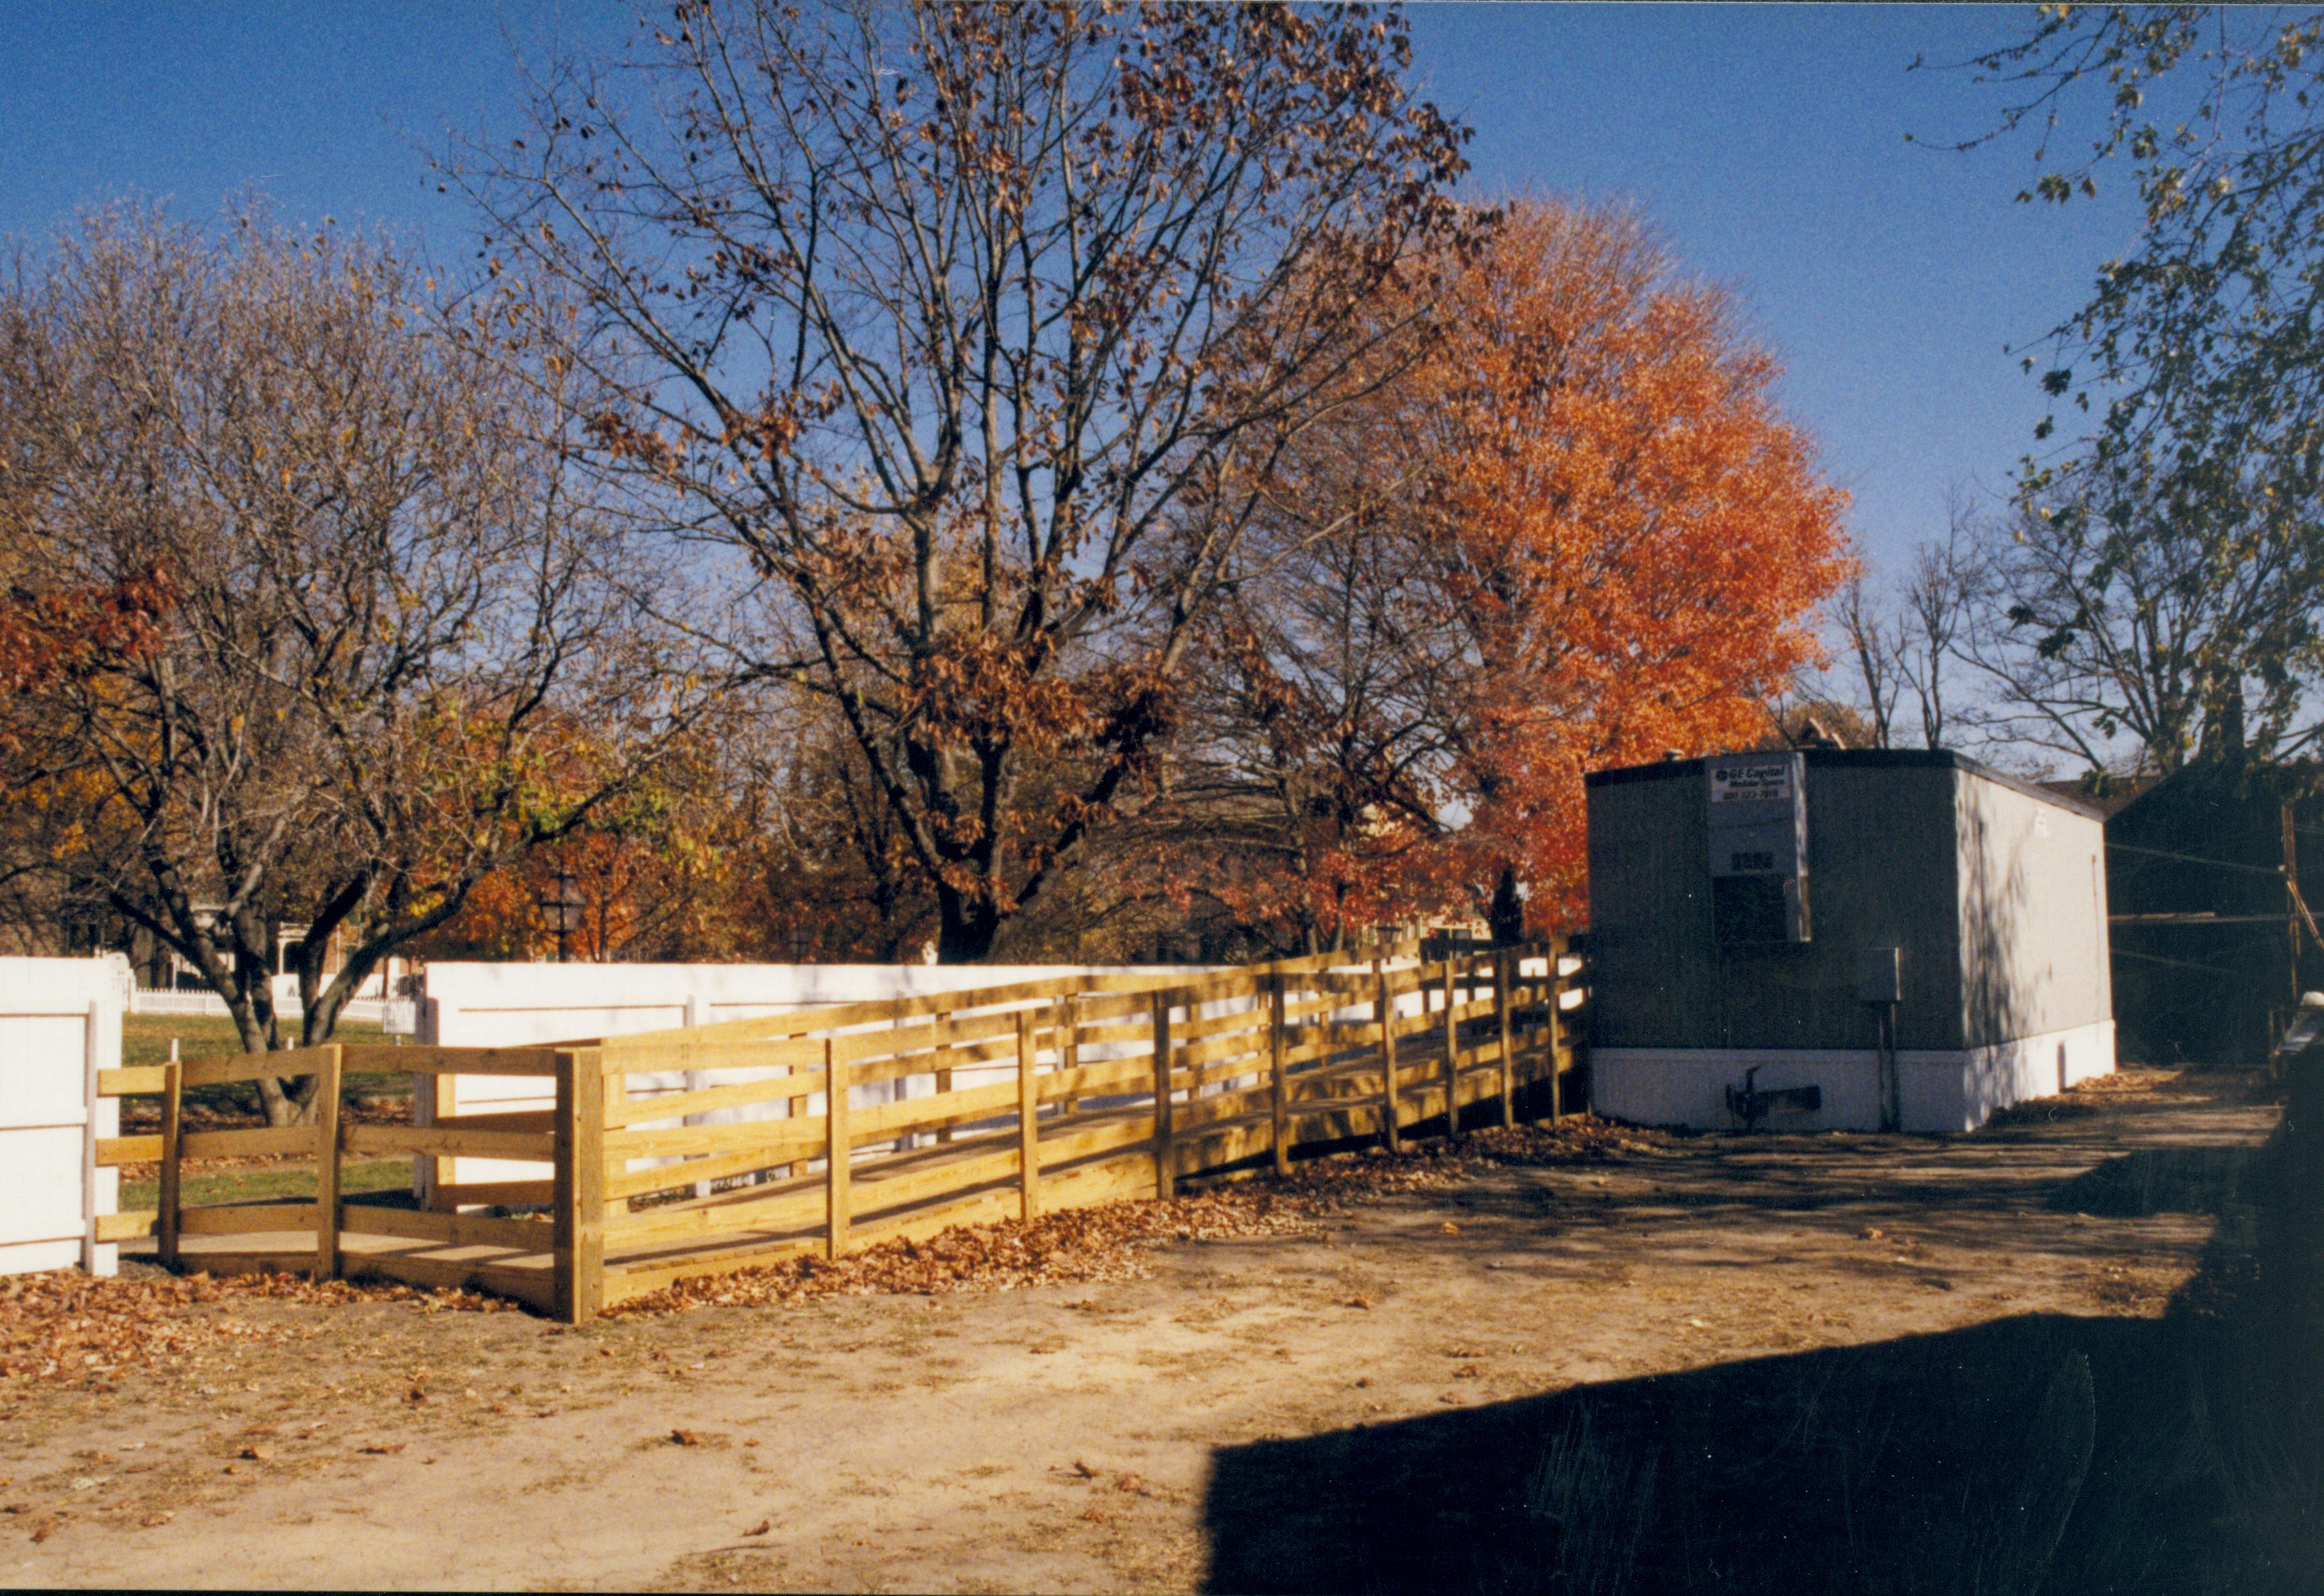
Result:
x=450 y=1141
x=245 y=1219
x=128 y=1226
x=451 y=1230
x=837 y=1150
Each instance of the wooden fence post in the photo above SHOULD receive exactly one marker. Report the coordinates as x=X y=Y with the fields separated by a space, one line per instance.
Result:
x=1560 y=1051
x=577 y=1213
x=165 y=1245
x=1505 y=968
x=835 y=1150
x=1164 y=1185
x=1068 y=1013
x=1451 y=1055
x=1281 y=1101
x=940 y=1034
x=1391 y=1115
x=1029 y=1124
x=327 y=1163
x=444 y=1102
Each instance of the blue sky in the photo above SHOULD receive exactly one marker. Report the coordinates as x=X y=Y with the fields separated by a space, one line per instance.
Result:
x=1766 y=143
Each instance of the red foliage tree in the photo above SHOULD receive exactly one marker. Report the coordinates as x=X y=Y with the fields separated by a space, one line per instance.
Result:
x=1586 y=536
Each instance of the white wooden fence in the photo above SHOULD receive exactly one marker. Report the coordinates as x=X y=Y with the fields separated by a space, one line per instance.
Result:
x=59 y=1024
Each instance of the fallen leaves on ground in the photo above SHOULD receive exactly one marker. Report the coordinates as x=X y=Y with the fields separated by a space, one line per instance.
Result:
x=64 y=1328
x=2131 y=1082
x=1110 y=1242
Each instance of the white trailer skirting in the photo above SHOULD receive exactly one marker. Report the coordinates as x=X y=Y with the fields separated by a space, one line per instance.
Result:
x=1940 y=1091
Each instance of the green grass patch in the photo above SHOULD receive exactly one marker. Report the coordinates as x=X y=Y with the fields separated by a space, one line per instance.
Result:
x=145 y=1040
x=145 y=1037
x=198 y=1188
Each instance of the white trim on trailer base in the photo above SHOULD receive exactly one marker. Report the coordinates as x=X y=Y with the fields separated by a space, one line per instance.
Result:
x=1949 y=1091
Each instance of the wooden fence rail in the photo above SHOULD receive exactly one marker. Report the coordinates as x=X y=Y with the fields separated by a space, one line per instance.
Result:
x=1005 y=1102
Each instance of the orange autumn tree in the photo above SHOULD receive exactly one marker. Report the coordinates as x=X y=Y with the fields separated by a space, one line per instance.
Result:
x=1633 y=538
x=1586 y=536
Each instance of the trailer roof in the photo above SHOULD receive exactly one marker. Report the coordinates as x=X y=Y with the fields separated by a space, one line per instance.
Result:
x=1860 y=759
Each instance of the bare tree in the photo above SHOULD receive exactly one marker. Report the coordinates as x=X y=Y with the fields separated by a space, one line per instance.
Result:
x=386 y=662
x=1869 y=634
x=1934 y=612
x=981 y=330
x=2121 y=629
x=1908 y=637
x=1314 y=759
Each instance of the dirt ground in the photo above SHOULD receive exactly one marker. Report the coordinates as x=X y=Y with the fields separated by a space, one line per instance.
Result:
x=1151 y=1434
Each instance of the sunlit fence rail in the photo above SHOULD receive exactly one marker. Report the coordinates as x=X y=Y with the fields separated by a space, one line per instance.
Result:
x=695 y=1151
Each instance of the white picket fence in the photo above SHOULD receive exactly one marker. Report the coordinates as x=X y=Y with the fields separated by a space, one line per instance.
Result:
x=59 y=1024
x=146 y=1000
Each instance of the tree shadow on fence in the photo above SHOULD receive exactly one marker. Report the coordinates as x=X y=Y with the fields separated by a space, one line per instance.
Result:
x=2040 y=1453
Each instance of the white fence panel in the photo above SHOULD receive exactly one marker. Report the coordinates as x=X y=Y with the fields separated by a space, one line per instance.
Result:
x=59 y=1024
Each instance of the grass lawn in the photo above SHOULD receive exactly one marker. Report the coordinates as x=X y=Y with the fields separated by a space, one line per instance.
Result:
x=198 y=1187
x=145 y=1040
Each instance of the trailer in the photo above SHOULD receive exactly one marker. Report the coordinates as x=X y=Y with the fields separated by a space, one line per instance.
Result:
x=1841 y=939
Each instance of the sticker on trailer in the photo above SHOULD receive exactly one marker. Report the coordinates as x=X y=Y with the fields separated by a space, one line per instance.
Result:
x=1761 y=781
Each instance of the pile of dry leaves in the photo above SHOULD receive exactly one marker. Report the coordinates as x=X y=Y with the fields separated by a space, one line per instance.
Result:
x=1088 y=1245
x=2085 y=1099
x=64 y=1328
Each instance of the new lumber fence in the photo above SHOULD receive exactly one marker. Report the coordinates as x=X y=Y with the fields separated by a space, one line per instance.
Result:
x=1047 y=1095
x=328 y=1235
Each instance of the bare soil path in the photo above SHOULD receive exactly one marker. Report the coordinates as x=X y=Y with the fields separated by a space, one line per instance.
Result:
x=1095 y=1437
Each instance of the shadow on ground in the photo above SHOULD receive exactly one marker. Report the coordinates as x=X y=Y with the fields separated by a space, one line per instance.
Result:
x=2036 y=1453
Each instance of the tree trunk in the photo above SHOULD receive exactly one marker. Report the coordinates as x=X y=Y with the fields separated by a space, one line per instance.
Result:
x=966 y=927
x=1507 y=915
x=290 y=1101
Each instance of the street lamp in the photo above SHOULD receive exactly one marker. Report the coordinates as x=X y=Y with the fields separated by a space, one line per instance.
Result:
x=563 y=909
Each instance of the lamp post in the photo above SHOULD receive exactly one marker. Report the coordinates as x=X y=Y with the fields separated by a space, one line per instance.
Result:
x=563 y=909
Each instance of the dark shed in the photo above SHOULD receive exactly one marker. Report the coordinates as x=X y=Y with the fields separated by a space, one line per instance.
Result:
x=2204 y=940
